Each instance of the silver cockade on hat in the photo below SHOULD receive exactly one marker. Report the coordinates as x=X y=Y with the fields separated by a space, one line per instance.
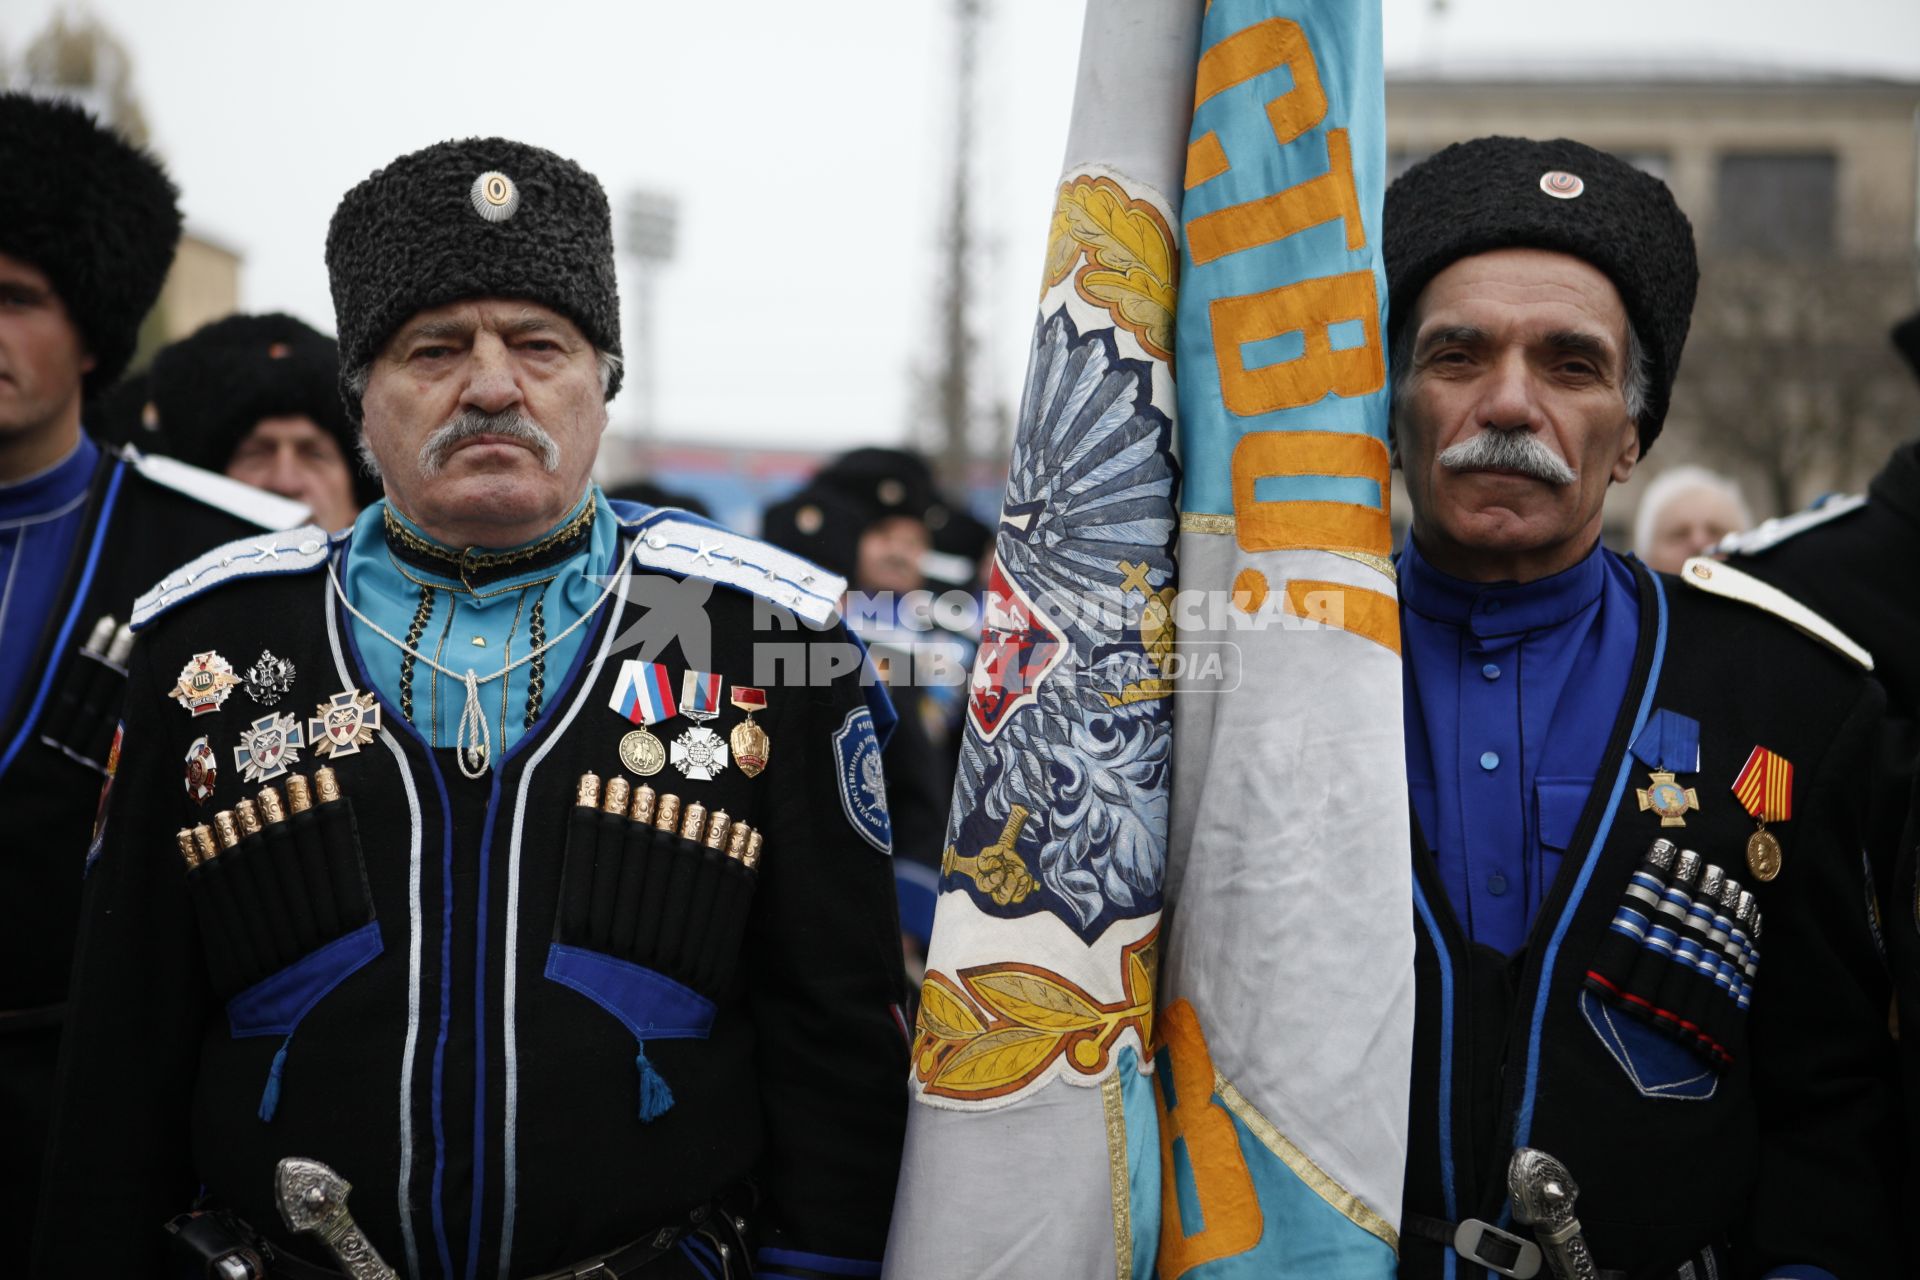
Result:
x=495 y=196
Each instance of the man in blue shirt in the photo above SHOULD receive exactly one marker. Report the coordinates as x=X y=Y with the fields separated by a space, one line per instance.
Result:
x=1618 y=779
x=85 y=241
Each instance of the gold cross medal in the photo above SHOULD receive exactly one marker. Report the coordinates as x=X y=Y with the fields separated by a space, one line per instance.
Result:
x=1668 y=798
x=343 y=724
x=750 y=742
x=1765 y=790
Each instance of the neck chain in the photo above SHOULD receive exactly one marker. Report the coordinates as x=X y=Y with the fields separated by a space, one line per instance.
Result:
x=475 y=740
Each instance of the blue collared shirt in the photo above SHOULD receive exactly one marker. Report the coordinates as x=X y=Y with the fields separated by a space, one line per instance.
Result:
x=40 y=520
x=1512 y=690
x=483 y=629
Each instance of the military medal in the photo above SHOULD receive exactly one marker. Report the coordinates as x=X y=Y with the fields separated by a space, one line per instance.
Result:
x=699 y=753
x=643 y=695
x=203 y=770
x=700 y=695
x=267 y=747
x=643 y=753
x=269 y=679
x=205 y=683
x=1669 y=744
x=1668 y=798
x=749 y=741
x=343 y=724
x=1765 y=790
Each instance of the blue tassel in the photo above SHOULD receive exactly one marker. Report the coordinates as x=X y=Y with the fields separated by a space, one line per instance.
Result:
x=270 y=1096
x=655 y=1097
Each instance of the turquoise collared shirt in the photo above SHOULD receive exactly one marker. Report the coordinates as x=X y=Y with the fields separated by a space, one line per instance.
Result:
x=482 y=628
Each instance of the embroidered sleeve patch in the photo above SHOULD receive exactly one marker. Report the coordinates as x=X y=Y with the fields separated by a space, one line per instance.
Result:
x=863 y=784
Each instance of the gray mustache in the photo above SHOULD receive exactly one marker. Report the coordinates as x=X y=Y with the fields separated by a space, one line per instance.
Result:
x=1508 y=451
x=510 y=424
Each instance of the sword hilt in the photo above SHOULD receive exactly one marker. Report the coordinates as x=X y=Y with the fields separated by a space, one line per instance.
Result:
x=1543 y=1194
x=313 y=1200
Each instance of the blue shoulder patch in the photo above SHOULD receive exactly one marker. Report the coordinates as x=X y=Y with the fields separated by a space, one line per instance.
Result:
x=863 y=783
x=694 y=548
x=291 y=551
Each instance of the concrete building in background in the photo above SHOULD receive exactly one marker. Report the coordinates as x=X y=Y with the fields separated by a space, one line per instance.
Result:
x=203 y=285
x=1804 y=192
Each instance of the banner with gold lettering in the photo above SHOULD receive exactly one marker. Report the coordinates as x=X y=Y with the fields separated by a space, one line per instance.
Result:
x=1286 y=1004
x=1166 y=1025
x=1031 y=1144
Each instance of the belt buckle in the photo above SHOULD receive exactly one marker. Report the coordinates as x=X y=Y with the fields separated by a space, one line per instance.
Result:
x=1497 y=1250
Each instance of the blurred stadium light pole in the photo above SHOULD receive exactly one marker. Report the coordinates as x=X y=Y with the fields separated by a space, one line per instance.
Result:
x=651 y=220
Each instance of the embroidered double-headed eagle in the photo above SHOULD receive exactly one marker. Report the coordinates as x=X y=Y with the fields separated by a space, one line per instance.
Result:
x=1067 y=719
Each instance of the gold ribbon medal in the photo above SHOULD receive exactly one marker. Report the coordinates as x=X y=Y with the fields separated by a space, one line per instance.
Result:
x=1765 y=790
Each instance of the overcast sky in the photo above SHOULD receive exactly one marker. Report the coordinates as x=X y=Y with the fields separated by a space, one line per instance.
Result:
x=806 y=145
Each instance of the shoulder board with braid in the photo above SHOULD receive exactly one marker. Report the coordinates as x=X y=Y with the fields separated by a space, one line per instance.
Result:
x=677 y=542
x=1717 y=579
x=298 y=550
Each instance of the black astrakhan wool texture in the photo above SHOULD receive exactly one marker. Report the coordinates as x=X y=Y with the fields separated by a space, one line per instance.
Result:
x=95 y=213
x=408 y=239
x=1475 y=197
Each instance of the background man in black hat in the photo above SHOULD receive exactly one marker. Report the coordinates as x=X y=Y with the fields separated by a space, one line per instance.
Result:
x=258 y=398
x=867 y=514
x=1856 y=558
x=85 y=242
x=581 y=945
x=1695 y=1029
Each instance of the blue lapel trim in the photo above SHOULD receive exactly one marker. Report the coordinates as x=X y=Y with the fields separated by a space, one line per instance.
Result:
x=1523 y=1122
x=74 y=607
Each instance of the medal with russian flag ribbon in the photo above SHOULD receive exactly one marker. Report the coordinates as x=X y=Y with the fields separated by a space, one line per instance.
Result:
x=1765 y=790
x=700 y=753
x=643 y=695
x=700 y=695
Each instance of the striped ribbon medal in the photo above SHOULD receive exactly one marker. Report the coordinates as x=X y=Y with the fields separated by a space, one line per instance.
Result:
x=643 y=695
x=1765 y=789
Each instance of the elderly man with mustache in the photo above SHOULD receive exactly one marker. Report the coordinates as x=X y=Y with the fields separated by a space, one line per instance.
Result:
x=519 y=855
x=1645 y=931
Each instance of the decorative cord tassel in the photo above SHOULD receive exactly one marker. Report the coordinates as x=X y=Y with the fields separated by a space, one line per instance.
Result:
x=476 y=735
x=270 y=1096
x=655 y=1097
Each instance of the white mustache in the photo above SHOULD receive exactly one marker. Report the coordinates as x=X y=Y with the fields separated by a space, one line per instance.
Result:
x=469 y=423
x=1519 y=451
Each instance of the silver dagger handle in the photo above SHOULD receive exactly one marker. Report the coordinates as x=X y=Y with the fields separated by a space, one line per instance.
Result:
x=1543 y=1195
x=313 y=1200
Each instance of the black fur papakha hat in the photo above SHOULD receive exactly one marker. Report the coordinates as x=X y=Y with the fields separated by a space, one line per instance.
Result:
x=472 y=218
x=888 y=482
x=95 y=213
x=1507 y=193
x=210 y=390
